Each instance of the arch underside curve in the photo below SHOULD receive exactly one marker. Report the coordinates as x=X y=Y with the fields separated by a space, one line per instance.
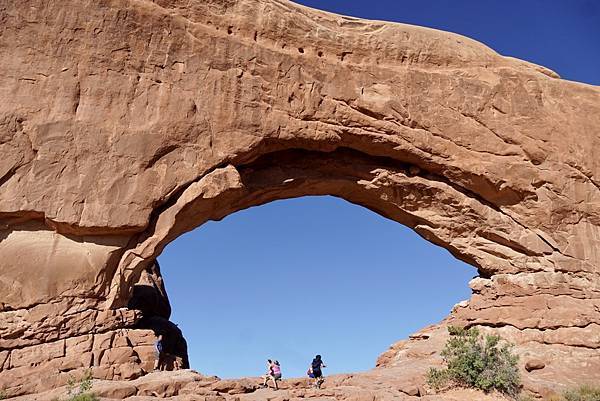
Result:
x=444 y=213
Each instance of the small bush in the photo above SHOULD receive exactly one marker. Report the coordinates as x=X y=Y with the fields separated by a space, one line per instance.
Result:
x=437 y=378
x=79 y=391
x=481 y=362
x=84 y=397
x=583 y=393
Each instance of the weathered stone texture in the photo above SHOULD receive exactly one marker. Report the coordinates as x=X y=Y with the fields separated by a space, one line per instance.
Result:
x=116 y=355
x=124 y=124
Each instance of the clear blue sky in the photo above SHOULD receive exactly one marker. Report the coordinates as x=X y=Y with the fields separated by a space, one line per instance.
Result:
x=313 y=275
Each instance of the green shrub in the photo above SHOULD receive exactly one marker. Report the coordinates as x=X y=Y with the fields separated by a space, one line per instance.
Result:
x=83 y=397
x=437 y=378
x=481 y=362
x=583 y=393
x=79 y=391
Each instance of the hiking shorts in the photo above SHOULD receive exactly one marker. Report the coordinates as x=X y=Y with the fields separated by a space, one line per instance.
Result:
x=317 y=373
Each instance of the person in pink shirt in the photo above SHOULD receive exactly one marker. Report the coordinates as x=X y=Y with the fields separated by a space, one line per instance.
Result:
x=274 y=373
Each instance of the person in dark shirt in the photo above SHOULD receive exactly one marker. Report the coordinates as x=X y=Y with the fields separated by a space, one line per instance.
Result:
x=316 y=372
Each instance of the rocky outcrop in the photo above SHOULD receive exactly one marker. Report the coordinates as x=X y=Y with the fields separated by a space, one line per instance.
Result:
x=114 y=355
x=403 y=380
x=131 y=122
x=191 y=386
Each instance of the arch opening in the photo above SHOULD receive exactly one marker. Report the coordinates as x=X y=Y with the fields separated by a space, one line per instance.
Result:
x=468 y=224
x=303 y=276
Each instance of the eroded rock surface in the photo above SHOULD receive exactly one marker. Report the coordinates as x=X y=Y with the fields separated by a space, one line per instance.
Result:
x=124 y=124
x=402 y=380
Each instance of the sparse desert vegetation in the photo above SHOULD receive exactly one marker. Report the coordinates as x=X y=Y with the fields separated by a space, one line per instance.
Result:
x=581 y=393
x=482 y=362
x=80 y=390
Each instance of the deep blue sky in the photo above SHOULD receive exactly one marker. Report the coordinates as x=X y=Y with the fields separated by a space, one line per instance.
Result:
x=319 y=275
x=303 y=276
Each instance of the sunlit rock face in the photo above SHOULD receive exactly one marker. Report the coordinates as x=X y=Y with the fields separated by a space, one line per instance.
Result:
x=126 y=123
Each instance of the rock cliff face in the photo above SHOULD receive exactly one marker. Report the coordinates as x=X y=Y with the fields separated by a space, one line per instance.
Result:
x=127 y=123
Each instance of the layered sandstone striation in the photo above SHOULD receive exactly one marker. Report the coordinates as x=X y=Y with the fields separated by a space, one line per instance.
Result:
x=124 y=124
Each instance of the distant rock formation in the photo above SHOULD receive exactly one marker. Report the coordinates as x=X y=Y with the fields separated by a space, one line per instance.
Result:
x=127 y=123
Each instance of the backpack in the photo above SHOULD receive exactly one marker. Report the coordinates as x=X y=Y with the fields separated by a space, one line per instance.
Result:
x=316 y=365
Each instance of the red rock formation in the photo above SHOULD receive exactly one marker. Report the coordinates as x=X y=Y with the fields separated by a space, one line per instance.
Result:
x=126 y=123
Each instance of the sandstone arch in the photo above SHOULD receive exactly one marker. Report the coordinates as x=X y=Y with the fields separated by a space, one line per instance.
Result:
x=129 y=122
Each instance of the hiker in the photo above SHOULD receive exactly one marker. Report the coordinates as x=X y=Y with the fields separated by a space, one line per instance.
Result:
x=274 y=373
x=159 y=346
x=314 y=371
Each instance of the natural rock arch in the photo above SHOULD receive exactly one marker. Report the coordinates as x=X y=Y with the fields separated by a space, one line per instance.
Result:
x=131 y=122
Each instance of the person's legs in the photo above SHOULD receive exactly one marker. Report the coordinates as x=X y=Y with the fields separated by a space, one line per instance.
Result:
x=318 y=378
x=274 y=381
x=156 y=358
